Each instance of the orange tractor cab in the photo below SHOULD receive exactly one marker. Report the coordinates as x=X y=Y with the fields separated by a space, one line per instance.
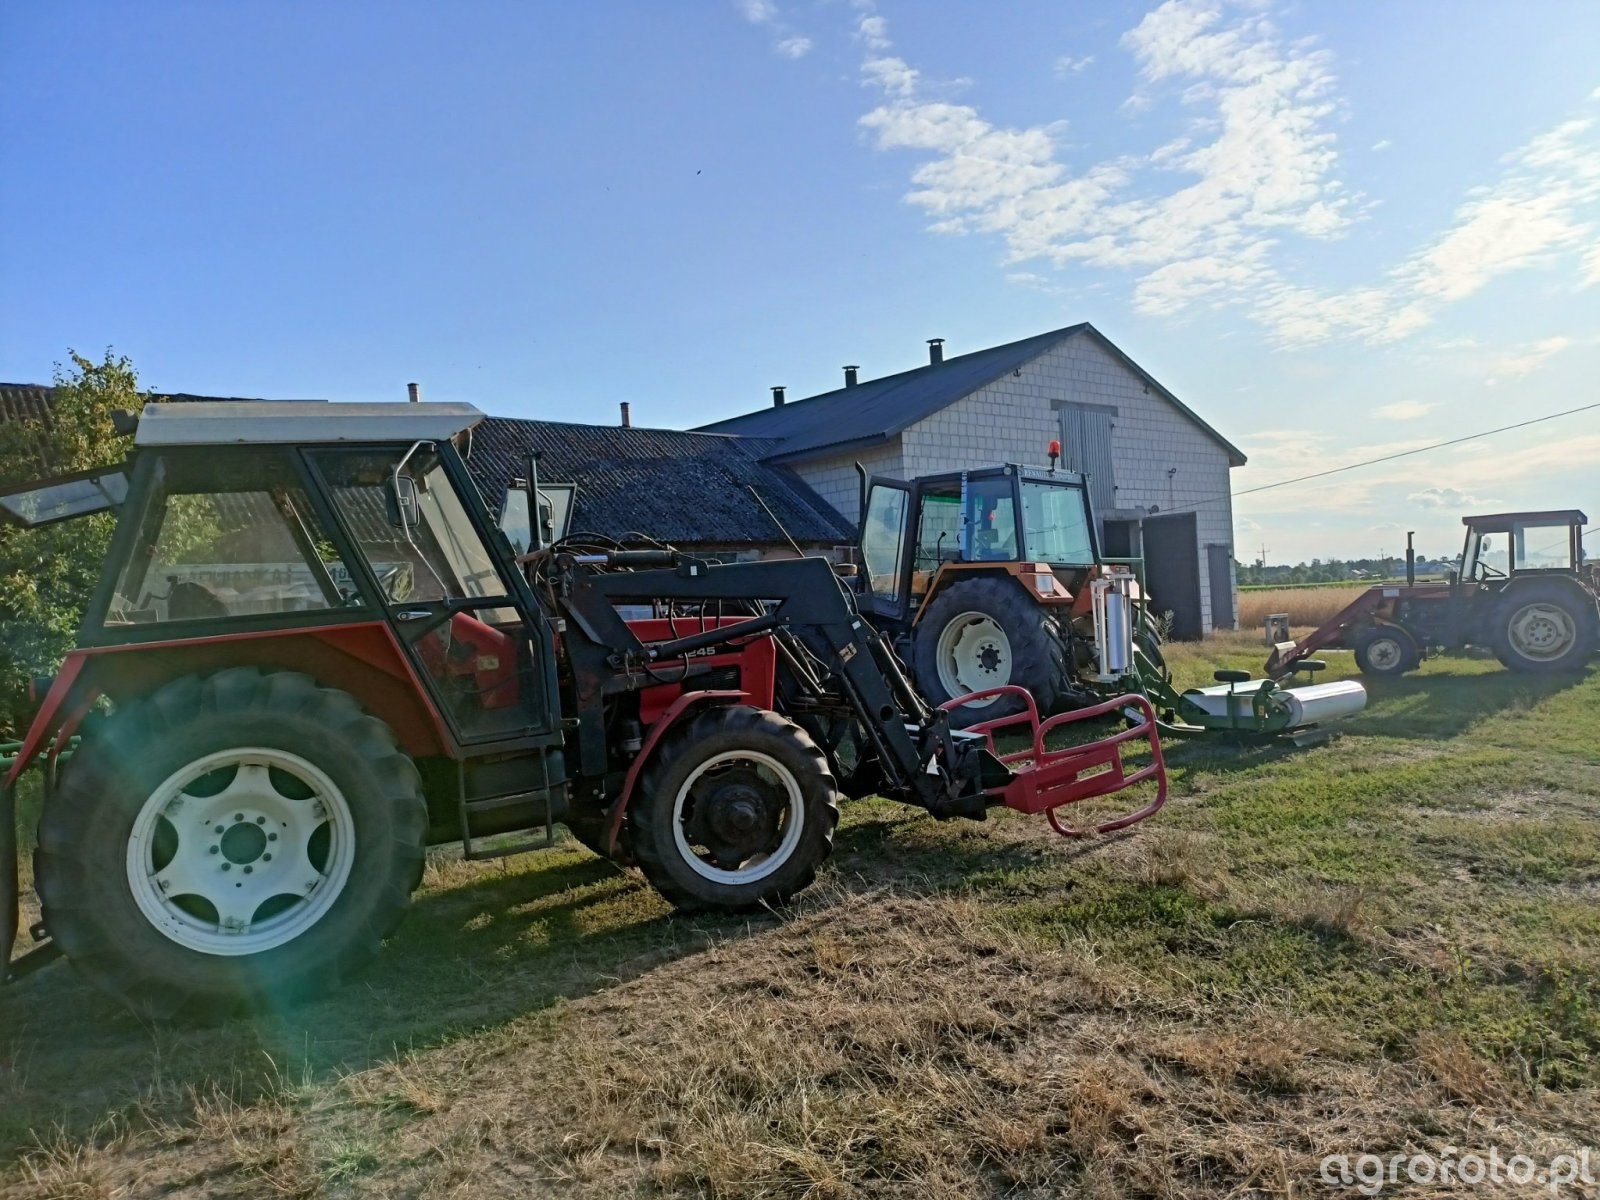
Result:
x=992 y=586
x=984 y=579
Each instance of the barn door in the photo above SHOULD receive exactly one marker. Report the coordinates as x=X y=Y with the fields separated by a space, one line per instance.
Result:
x=1086 y=448
x=1219 y=559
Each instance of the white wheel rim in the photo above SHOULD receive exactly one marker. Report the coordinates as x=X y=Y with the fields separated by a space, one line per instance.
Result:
x=1384 y=653
x=255 y=855
x=1542 y=632
x=973 y=654
x=774 y=775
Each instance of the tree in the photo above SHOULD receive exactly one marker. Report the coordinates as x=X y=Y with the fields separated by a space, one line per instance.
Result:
x=47 y=575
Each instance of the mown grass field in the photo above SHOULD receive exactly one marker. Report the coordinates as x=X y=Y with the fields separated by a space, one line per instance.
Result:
x=1390 y=943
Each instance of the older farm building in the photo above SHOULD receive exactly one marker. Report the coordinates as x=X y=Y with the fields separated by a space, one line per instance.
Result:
x=1159 y=475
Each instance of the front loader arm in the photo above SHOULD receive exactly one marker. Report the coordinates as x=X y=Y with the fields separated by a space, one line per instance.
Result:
x=924 y=762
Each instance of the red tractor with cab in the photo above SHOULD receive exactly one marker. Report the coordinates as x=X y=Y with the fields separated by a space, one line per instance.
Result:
x=313 y=653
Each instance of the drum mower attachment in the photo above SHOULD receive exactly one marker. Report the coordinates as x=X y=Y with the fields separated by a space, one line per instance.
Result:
x=1047 y=781
x=1236 y=707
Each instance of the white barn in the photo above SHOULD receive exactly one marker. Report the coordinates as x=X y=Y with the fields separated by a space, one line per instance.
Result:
x=1159 y=475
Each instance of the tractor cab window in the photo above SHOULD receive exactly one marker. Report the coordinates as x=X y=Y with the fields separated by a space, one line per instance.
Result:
x=227 y=534
x=990 y=521
x=883 y=535
x=1055 y=523
x=430 y=551
x=1543 y=547
x=939 y=531
x=412 y=527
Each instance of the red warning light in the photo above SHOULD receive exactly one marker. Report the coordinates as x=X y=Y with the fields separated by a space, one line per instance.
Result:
x=1055 y=452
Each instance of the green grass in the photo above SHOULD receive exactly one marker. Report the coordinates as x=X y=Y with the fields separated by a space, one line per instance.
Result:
x=1307 y=951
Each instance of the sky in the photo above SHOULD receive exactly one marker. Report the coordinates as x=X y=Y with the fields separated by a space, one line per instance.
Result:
x=1337 y=231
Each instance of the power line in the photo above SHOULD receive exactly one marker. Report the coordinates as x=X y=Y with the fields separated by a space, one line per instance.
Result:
x=1418 y=450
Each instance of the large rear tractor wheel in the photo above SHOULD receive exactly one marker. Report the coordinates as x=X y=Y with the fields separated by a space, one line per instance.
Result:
x=236 y=841
x=1543 y=626
x=736 y=810
x=985 y=633
x=1386 y=652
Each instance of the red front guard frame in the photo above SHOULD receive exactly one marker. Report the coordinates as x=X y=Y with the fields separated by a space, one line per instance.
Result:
x=1053 y=779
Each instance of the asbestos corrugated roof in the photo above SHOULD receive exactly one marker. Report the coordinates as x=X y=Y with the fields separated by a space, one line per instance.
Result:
x=878 y=409
x=673 y=485
x=25 y=402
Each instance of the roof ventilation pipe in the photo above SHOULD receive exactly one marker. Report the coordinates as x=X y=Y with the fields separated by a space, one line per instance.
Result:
x=777 y=397
x=627 y=415
x=935 y=351
x=850 y=376
x=414 y=392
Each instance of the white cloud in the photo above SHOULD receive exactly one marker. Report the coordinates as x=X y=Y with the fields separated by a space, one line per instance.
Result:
x=793 y=47
x=1404 y=410
x=873 y=32
x=758 y=12
x=1382 y=144
x=1203 y=219
x=1445 y=497
x=1067 y=65
x=1258 y=164
x=1525 y=360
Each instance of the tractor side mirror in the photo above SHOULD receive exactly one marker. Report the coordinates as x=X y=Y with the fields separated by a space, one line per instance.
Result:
x=515 y=522
x=400 y=502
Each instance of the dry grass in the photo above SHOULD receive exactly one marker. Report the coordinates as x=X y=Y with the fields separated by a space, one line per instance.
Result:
x=1309 y=606
x=1384 y=945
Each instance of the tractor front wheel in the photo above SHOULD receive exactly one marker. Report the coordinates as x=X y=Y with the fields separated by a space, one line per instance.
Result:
x=985 y=633
x=1543 y=626
x=239 y=840
x=736 y=810
x=1386 y=651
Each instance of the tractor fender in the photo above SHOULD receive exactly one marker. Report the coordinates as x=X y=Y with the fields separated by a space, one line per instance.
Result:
x=675 y=710
x=1037 y=579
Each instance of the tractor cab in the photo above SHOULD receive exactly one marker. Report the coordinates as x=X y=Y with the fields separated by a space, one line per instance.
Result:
x=1501 y=546
x=918 y=536
x=983 y=578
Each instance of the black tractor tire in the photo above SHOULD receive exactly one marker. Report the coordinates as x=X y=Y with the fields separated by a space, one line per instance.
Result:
x=1037 y=658
x=1543 y=626
x=1149 y=643
x=371 y=826
x=656 y=818
x=1386 y=652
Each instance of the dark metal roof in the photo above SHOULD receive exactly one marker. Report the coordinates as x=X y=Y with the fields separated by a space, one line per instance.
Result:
x=676 y=486
x=877 y=409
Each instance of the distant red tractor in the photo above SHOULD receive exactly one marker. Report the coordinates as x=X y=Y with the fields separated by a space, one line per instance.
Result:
x=1539 y=612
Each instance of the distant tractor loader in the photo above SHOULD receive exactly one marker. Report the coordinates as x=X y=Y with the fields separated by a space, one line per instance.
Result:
x=1538 y=612
x=313 y=653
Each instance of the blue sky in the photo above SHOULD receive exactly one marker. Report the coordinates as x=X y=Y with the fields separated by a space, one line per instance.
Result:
x=1335 y=230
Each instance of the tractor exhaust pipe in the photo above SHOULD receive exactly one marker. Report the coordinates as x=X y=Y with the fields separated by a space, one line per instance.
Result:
x=1411 y=558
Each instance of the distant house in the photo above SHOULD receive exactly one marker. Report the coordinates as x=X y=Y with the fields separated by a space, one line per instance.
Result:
x=707 y=493
x=1159 y=474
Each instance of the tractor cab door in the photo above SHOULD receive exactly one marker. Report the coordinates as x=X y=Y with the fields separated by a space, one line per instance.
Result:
x=885 y=539
x=454 y=599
